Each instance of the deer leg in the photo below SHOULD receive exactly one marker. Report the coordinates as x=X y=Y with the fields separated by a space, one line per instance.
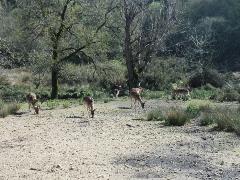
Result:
x=29 y=107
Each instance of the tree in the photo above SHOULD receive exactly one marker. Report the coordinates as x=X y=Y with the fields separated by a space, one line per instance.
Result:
x=63 y=29
x=146 y=24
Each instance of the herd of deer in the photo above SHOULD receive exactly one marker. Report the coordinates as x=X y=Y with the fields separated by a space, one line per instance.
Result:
x=134 y=93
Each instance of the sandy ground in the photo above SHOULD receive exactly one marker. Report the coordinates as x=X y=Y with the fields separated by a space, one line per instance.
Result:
x=65 y=144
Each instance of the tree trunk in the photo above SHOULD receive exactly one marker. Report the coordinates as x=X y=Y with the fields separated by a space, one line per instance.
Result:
x=54 y=93
x=55 y=71
x=128 y=54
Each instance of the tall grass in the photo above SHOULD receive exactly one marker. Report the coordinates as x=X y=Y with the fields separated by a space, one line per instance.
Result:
x=8 y=109
x=177 y=117
x=226 y=119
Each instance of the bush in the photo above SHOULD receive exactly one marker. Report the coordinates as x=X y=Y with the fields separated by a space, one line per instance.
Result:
x=66 y=104
x=226 y=119
x=13 y=93
x=7 y=109
x=203 y=93
x=177 y=117
x=194 y=107
x=4 y=80
x=155 y=115
x=207 y=118
x=228 y=94
x=208 y=76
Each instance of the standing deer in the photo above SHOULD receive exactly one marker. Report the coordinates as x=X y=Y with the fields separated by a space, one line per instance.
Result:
x=32 y=101
x=135 y=94
x=89 y=103
x=183 y=93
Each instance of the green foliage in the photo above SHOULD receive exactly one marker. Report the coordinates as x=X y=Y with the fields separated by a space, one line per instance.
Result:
x=66 y=104
x=153 y=94
x=177 y=117
x=228 y=94
x=52 y=104
x=194 y=107
x=163 y=72
x=155 y=115
x=13 y=93
x=204 y=93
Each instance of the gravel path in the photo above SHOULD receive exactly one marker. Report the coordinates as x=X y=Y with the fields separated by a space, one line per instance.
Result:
x=65 y=144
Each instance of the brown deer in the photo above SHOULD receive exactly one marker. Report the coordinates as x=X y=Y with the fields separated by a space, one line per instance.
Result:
x=183 y=93
x=32 y=101
x=135 y=94
x=89 y=103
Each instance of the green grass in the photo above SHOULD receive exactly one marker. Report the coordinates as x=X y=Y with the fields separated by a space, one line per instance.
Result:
x=155 y=115
x=194 y=107
x=147 y=94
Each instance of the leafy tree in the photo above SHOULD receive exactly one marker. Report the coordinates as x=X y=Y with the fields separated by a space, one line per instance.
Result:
x=63 y=29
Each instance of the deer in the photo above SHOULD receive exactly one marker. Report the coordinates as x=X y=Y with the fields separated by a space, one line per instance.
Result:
x=117 y=89
x=135 y=94
x=89 y=103
x=184 y=92
x=32 y=101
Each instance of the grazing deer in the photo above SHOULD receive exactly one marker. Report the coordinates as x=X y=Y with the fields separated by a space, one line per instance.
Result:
x=135 y=94
x=32 y=101
x=117 y=89
x=183 y=93
x=89 y=103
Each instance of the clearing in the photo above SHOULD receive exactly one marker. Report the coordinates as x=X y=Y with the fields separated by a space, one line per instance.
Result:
x=65 y=144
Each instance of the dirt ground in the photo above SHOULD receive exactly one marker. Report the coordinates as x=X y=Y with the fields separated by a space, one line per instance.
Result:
x=65 y=144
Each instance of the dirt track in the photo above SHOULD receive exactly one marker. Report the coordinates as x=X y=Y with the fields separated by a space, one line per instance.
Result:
x=64 y=144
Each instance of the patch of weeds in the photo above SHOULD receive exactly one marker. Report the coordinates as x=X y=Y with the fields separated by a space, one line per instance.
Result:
x=194 y=107
x=155 y=115
x=226 y=119
x=207 y=118
x=8 y=109
x=66 y=104
x=52 y=104
x=177 y=117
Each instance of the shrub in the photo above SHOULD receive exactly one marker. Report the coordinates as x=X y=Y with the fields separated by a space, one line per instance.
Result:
x=194 y=107
x=7 y=109
x=228 y=94
x=3 y=112
x=13 y=93
x=208 y=76
x=52 y=104
x=13 y=108
x=226 y=119
x=177 y=117
x=203 y=93
x=155 y=115
x=207 y=118
x=4 y=80
x=66 y=104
